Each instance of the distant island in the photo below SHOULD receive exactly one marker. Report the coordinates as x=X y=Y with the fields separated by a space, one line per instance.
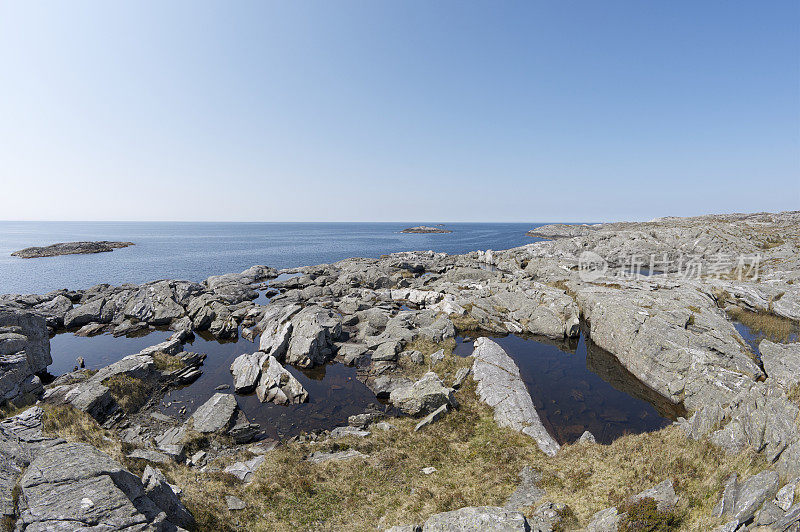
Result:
x=425 y=229
x=70 y=248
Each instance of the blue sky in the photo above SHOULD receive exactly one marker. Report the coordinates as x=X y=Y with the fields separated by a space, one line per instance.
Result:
x=384 y=111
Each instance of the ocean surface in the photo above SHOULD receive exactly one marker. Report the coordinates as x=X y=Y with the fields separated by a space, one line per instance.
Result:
x=195 y=250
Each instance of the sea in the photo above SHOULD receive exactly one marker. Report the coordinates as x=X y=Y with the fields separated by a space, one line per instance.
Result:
x=195 y=250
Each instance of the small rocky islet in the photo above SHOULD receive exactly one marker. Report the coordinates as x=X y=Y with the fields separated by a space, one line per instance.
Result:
x=70 y=248
x=425 y=229
x=395 y=319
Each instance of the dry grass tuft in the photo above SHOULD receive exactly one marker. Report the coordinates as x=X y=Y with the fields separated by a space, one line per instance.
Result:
x=765 y=324
x=164 y=362
x=794 y=394
x=130 y=393
x=465 y=323
x=73 y=425
x=644 y=515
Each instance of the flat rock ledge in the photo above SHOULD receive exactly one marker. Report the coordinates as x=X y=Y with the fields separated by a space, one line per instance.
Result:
x=69 y=248
x=501 y=387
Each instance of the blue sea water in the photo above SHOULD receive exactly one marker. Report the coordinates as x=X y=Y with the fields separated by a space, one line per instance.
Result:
x=194 y=251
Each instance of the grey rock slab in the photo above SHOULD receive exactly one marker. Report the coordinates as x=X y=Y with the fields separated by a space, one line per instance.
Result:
x=502 y=388
x=792 y=517
x=279 y=386
x=753 y=493
x=24 y=349
x=604 y=521
x=73 y=485
x=423 y=396
x=438 y=356
x=319 y=456
x=90 y=397
x=341 y=432
x=785 y=497
x=244 y=471
x=741 y=500
x=431 y=418
x=215 y=414
x=476 y=518
x=136 y=366
x=781 y=362
x=150 y=455
x=587 y=437
x=234 y=503
x=663 y=494
x=160 y=492
x=673 y=339
x=460 y=376
x=528 y=491
x=246 y=370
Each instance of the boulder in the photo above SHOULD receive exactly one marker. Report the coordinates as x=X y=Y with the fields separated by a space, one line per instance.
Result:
x=423 y=396
x=154 y=303
x=24 y=350
x=477 y=518
x=314 y=330
x=86 y=313
x=741 y=500
x=215 y=415
x=161 y=493
x=279 y=386
x=246 y=370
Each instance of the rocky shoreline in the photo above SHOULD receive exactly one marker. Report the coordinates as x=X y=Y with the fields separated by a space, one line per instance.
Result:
x=70 y=248
x=670 y=330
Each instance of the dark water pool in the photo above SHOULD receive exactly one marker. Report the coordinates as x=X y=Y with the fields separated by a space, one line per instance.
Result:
x=753 y=338
x=97 y=351
x=576 y=386
x=334 y=392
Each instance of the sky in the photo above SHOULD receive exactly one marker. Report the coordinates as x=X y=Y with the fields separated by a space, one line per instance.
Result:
x=490 y=111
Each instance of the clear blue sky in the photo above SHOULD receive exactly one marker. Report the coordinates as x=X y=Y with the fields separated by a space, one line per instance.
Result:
x=407 y=110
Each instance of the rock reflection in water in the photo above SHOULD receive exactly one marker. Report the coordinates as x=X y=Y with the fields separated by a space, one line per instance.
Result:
x=574 y=392
x=334 y=392
x=97 y=351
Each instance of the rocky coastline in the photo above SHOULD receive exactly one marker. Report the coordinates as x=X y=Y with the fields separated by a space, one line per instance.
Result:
x=395 y=318
x=70 y=248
